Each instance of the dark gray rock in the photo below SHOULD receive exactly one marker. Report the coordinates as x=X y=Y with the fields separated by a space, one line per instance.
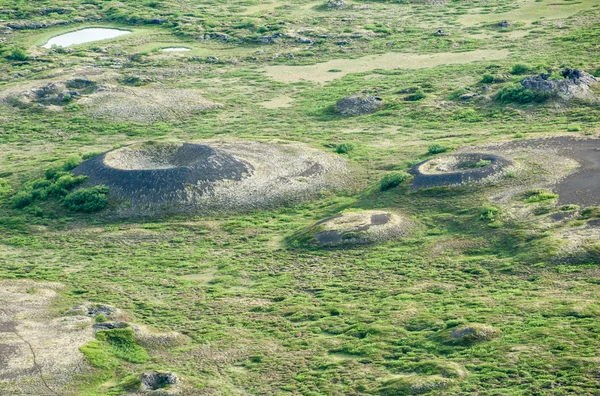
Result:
x=110 y=325
x=358 y=104
x=503 y=24
x=336 y=3
x=441 y=33
x=153 y=380
x=575 y=85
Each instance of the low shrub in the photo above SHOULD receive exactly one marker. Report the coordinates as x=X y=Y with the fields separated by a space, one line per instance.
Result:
x=88 y=200
x=22 y=199
x=520 y=68
x=393 y=180
x=4 y=188
x=17 y=54
x=418 y=95
x=519 y=94
x=539 y=195
x=487 y=79
x=344 y=148
x=489 y=213
x=436 y=148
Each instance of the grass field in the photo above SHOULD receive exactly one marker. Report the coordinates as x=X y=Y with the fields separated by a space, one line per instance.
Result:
x=260 y=312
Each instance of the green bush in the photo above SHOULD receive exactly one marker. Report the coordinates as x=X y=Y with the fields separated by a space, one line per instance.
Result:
x=539 y=195
x=520 y=68
x=393 y=180
x=88 y=200
x=489 y=213
x=519 y=94
x=17 y=54
x=4 y=187
x=487 y=79
x=62 y=185
x=418 y=95
x=344 y=148
x=21 y=199
x=436 y=148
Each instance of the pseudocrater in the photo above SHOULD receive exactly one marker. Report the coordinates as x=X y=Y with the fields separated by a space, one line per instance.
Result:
x=458 y=169
x=357 y=228
x=154 y=177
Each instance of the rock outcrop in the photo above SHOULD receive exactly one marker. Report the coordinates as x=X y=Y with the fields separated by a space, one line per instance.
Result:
x=336 y=3
x=358 y=104
x=576 y=84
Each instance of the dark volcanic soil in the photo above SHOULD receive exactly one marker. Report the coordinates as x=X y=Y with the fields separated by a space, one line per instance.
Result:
x=583 y=187
x=191 y=165
x=458 y=176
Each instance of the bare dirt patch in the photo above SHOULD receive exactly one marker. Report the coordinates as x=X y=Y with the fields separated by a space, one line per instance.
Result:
x=38 y=352
x=394 y=60
x=529 y=11
x=278 y=102
x=146 y=104
x=213 y=176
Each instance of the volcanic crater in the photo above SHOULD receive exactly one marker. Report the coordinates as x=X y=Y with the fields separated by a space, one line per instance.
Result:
x=217 y=176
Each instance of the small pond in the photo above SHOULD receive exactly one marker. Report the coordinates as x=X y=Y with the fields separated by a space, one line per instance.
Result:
x=175 y=49
x=84 y=36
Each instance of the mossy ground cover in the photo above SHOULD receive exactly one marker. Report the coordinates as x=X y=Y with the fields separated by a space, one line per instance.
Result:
x=267 y=318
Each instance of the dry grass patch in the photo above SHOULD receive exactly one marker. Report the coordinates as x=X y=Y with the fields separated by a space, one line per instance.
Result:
x=38 y=352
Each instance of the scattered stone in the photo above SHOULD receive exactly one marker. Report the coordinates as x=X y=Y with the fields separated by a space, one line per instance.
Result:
x=218 y=36
x=80 y=83
x=110 y=325
x=153 y=380
x=158 y=21
x=270 y=39
x=336 y=3
x=469 y=96
x=441 y=33
x=304 y=40
x=358 y=104
x=503 y=24
x=60 y=11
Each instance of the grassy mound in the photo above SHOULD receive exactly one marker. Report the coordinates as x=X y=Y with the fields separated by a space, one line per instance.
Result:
x=469 y=334
x=355 y=228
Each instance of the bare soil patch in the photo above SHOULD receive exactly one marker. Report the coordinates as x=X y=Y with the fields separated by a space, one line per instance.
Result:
x=320 y=72
x=38 y=352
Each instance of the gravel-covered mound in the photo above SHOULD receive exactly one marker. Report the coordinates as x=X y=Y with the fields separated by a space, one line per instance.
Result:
x=353 y=228
x=358 y=104
x=458 y=169
x=155 y=177
x=101 y=97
